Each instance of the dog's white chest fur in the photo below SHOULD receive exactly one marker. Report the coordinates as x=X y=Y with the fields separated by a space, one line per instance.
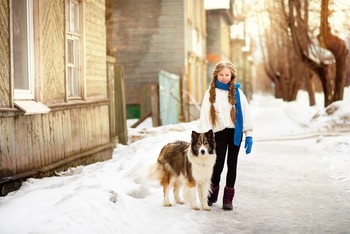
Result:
x=202 y=170
x=202 y=167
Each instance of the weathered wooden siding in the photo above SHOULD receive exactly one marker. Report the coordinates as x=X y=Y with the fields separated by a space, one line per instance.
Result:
x=51 y=137
x=147 y=36
x=53 y=44
x=95 y=39
x=52 y=48
x=4 y=55
x=74 y=132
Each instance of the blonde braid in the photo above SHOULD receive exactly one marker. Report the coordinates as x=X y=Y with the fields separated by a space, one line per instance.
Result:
x=232 y=101
x=212 y=98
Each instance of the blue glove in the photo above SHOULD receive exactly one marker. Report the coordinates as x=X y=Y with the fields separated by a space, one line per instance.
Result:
x=248 y=144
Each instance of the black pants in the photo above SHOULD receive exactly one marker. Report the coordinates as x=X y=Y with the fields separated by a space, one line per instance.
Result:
x=224 y=143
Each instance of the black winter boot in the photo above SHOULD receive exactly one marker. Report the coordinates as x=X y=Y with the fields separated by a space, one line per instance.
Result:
x=229 y=193
x=213 y=195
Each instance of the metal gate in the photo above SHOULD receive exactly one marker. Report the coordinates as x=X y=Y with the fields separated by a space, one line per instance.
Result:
x=169 y=97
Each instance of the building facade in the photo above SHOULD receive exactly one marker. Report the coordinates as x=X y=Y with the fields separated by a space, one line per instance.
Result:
x=153 y=35
x=54 y=104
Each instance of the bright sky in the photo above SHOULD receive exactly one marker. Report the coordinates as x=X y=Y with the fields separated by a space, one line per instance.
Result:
x=216 y=4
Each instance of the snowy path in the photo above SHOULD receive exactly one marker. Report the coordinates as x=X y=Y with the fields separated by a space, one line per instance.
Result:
x=284 y=192
x=294 y=181
x=287 y=185
x=284 y=186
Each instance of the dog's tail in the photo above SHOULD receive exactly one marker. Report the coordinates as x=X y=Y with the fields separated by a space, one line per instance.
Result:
x=154 y=172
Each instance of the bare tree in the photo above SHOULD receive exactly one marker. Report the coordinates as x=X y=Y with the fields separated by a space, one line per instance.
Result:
x=280 y=61
x=337 y=47
x=298 y=25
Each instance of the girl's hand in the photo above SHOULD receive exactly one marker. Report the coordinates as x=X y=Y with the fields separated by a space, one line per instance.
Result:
x=248 y=144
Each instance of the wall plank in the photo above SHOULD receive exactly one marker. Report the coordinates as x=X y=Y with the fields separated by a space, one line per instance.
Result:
x=7 y=146
x=4 y=56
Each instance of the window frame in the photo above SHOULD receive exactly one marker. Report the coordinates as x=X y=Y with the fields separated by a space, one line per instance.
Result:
x=22 y=94
x=75 y=88
x=190 y=11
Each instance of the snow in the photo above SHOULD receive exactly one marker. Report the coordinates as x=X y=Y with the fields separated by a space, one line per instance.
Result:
x=296 y=180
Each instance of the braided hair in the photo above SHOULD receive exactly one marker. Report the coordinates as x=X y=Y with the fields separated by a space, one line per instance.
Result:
x=231 y=91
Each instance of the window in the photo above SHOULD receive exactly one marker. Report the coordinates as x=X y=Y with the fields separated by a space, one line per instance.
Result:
x=191 y=74
x=23 y=49
x=203 y=21
x=190 y=11
x=199 y=80
x=22 y=59
x=73 y=49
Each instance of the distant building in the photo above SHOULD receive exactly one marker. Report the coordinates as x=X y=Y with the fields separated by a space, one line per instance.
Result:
x=219 y=16
x=227 y=39
x=153 y=35
x=241 y=49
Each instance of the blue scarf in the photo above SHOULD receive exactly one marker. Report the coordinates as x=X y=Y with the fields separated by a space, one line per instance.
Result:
x=239 y=114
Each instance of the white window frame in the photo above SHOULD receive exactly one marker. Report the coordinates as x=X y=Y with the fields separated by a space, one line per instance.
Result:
x=29 y=93
x=74 y=88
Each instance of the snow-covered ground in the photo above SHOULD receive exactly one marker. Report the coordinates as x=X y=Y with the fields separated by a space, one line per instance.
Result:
x=296 y=180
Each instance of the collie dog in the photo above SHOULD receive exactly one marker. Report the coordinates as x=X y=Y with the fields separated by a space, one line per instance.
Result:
x=189 y=165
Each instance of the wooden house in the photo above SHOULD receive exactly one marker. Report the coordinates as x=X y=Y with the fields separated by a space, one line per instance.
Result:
x=54 y=102
x=219 y=22
x=150 y=36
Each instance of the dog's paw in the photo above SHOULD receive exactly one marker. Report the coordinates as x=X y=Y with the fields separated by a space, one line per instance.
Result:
x=207 y=208
x=195 y=207
x=167 y=204
x=180 y=202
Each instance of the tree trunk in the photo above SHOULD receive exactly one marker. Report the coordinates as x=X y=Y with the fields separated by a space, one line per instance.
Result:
x=310 y=86
x=320 y=69
x=340 y=78
x=338 y=48
x=340 y=52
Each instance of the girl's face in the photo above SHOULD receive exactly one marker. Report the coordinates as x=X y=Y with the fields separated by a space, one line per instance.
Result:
x=224 y=75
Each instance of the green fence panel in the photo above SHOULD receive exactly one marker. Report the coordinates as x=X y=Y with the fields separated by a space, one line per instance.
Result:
x=169 y=97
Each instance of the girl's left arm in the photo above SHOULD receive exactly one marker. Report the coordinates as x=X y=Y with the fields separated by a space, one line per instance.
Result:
x=204 y=121
x=247 y=121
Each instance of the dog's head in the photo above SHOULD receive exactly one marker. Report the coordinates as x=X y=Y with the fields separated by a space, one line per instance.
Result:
x=202 y=143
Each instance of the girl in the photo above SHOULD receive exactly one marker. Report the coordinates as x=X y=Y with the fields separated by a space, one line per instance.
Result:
x=225 y=111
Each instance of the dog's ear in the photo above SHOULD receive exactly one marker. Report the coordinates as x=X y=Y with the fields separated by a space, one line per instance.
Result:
x=195 y=134
x=210 y=133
